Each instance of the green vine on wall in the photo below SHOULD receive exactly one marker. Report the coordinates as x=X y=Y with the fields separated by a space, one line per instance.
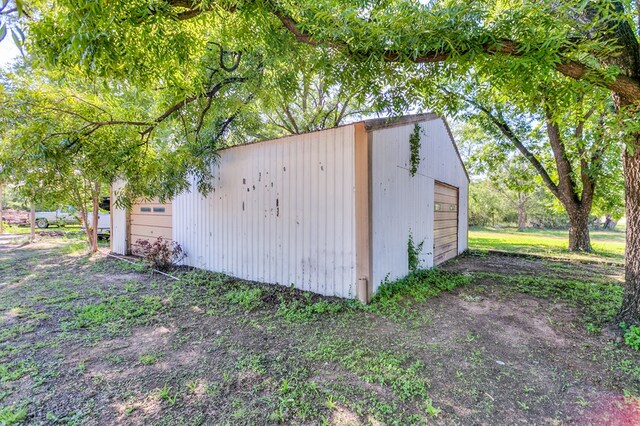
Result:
x=413 y=253
x=414 y=144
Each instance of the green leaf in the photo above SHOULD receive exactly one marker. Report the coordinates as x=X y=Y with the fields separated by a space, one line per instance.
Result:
x=3 y=32
x=16 y=39
x=20 y=33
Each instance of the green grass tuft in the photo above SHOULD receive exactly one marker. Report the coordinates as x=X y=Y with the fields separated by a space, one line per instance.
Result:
x=16 y=370
x=12 y=414
x=394 y=299
x=150 y=358
x=253 y=363
x=119 y=308
x=392 y=369
x=247 y=296
x=74 y=247
x=302 y=311
x=598 y=301
x=298 y=397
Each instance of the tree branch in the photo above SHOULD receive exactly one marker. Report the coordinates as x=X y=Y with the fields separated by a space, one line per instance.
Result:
x=566 y=182
x=588 y=184
x=236 y=58
x=209 y=94
x=292 y=120
x=282 y=124
x=625 y=86
x=580 y=127
x=504 y=128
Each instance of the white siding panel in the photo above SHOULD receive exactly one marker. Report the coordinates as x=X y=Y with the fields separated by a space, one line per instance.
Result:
x=281 y=212
x=402 y=204
x=119 y=222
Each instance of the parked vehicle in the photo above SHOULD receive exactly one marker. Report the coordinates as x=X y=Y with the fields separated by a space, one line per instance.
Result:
x=16 y=217
x=104 y=224
x=61 y=217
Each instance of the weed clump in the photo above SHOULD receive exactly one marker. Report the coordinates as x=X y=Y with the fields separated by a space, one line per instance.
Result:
x=116 y=309
x=394 y=298
x=398 y=371
x=247 y=297
x=306 y=310
x=631 y=335
x=13 y=414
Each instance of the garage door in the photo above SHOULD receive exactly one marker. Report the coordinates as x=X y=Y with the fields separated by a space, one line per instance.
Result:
x=445 y=242
x=148 y=221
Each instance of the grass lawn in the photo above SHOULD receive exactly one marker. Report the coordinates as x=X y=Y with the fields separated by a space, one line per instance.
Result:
x=20 y=230
x=486 y=339
x=607 y=245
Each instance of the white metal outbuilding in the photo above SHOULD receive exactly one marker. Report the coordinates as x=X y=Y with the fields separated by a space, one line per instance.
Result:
x=329 y=211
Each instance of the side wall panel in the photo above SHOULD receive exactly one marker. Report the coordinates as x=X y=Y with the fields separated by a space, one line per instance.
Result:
x=118 y=238
x=280 y=212
x=403 y=205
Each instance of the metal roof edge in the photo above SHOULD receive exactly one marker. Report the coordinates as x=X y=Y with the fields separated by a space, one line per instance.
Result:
x=386 y=122
x=455 y=146
x=371 y=125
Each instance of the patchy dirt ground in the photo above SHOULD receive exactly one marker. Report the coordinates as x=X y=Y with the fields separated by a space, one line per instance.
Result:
x=99 y=341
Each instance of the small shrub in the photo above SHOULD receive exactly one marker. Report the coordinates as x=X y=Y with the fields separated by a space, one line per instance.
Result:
x=161 y=254
x=632 y=336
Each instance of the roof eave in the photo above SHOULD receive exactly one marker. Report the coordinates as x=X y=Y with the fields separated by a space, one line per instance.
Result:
x=386 y=122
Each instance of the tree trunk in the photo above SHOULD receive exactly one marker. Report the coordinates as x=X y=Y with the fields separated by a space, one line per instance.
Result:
x=93 y=238
x=32 y=222
x=1 y=194
x=579 y=239
x=88 y=229
x=630 y=310
x=522 y=213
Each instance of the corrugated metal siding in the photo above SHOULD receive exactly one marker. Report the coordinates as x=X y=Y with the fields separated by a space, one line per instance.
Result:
x=280 y=212
x=402 y=204
x=118 y=222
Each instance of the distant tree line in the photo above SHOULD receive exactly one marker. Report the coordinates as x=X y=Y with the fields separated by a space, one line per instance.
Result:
x=492 y=206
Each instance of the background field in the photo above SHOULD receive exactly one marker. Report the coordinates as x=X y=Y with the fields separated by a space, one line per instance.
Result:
x=607 y=245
